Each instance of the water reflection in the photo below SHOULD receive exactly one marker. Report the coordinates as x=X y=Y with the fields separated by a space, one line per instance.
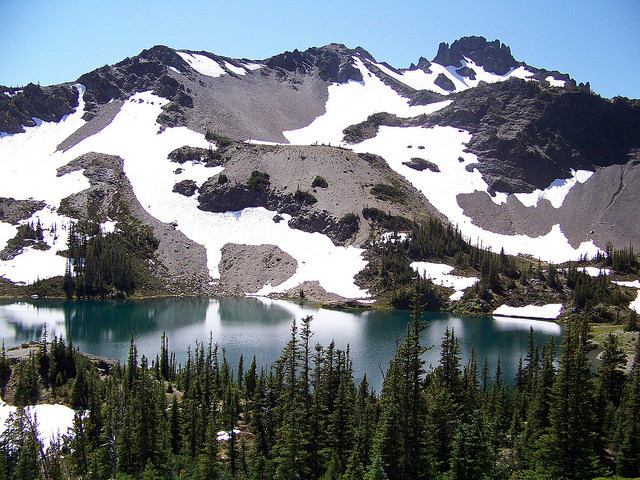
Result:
x=260 y=327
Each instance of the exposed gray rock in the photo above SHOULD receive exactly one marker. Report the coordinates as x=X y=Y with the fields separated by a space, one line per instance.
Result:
x=12 y=210
x=494 y=56
x=444 y=82
x=421 y=164
x=48 y=104
x=248 y=268
x=186 y=188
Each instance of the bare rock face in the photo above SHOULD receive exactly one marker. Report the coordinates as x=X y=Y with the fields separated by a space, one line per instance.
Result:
x=334 y=63
x=12 y=211
x=444 y=82
x=248 y=268
x=19 y=106
x=493 y=56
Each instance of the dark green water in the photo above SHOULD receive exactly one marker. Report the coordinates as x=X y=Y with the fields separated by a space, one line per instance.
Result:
x=259 y=327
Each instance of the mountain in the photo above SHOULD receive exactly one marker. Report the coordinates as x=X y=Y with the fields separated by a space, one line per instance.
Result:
x=233 y=176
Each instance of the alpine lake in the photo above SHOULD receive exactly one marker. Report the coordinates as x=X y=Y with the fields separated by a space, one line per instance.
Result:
x=261 y=327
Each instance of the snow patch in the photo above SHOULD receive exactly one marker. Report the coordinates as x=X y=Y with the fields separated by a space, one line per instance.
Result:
x=556 y=192
x=226 y=436
x=440 y=274
x=52 y=420
x=234 y=69
x=550 y=311
x=174 y=69
x=594 y=271
x=252 y=66
x=394 y=237
x=444 y=146
x=352 y=102
x=555 y=83
x=203 y=64
x=135 y=136
x=635 y=304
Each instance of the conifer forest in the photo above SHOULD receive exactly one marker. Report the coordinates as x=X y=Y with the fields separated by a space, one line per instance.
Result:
x=305 y=416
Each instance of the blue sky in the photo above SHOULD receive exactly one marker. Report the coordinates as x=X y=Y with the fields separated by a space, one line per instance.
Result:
x=53 y=41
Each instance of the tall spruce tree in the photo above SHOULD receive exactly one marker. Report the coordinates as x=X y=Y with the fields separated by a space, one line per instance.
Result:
x=566 y=451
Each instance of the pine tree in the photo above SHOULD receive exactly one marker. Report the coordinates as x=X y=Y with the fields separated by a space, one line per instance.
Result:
x=628 y=459
x=472 y=456
x=567 y=450
x=401 y=436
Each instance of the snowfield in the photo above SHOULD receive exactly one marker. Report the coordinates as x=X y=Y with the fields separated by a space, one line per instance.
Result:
x=556 y=192
x=137 y=138
x=352 y=102
x=421 y=80
x=550 y=311
x=440 y=274
x=444 y=146
x=28 y=171
x=203 y=64
x=52 y=420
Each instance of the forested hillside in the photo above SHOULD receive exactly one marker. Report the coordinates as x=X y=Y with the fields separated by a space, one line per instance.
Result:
x=305 y=417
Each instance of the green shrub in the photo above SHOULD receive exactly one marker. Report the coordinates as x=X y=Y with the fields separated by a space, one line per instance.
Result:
x=319 y=182
x=258 y=181
x=349 y=218
x=220 y=140
x=385 y=192
x=222 y=179
x=304 y=197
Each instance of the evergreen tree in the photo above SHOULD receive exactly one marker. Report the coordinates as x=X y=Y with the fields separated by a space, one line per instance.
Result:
x=628 y=458
x=567 y=450
x=401 y=436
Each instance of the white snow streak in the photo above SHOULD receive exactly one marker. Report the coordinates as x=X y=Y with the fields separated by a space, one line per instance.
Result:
x=134 y=135
x=421 y=80
x=234 y=69
x=550 y=311
x=203 y=64
x=556 y=192
x=352 y=102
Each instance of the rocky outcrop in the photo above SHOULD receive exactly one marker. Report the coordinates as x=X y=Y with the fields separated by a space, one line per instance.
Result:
x=423 y=64
x=494 y=56
x=12 y=210
x=334 y=62
x=22 y=107
x=444 y=82
x=526 y=135
x=421 y=164
x=248 y=268
x=186 y=187
x=147 y=71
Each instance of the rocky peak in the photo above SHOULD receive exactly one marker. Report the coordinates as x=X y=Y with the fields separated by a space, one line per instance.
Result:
x=494 y=56
x=423 y=64
x=333 y=62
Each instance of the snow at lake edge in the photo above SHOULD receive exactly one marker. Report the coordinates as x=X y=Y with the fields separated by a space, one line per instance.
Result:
x=550 y=311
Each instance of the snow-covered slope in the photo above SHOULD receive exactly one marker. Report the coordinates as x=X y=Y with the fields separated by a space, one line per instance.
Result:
x=142 y=109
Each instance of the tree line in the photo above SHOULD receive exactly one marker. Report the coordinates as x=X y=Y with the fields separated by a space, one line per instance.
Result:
x=304 y=417
x=104 y=265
